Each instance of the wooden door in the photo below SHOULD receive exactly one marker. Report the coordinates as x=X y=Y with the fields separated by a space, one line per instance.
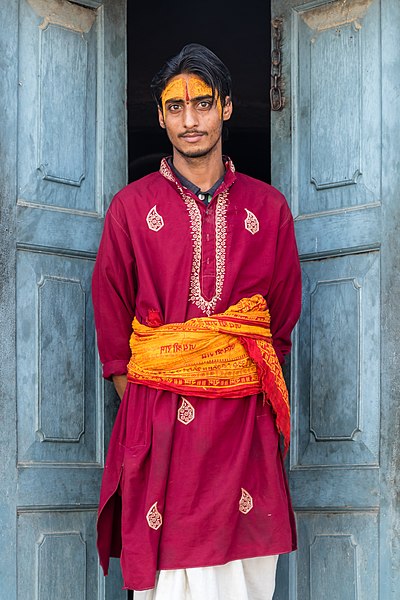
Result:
x=63 y=156
x=335 y=148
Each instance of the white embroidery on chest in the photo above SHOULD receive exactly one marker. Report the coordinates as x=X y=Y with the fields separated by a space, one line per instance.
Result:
x=251 y=222
x=154 y=220
x=206 y=306
x=186 y=412
x=245 y=502
x=154 y=517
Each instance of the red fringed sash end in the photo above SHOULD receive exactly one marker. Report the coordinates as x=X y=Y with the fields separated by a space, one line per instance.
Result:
x=272 y=383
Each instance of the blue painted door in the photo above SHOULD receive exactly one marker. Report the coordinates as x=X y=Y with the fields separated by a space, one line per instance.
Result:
x=335 y=149
x=63 y=157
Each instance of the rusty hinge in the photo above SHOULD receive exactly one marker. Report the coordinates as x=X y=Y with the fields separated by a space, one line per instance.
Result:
x=276 y=94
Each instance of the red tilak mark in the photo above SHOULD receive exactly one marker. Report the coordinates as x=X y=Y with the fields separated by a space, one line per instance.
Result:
x=187 y=93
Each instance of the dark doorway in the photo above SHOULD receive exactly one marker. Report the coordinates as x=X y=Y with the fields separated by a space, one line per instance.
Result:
x=239 y=33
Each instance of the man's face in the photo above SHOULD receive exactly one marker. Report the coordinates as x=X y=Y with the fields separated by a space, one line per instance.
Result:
x=192 y=118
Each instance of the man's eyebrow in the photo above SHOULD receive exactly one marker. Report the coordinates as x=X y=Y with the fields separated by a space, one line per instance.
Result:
x=196 y=99
x=204 y=97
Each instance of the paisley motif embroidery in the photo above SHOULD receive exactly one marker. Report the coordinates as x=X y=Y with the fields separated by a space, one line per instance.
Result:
x=245 y=502
x=251 y=222
x=206 y=306
x=186 y=412
x=154 y=518
x=154 y=221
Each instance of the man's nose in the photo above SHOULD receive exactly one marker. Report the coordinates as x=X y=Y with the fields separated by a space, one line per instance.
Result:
x=190 y=118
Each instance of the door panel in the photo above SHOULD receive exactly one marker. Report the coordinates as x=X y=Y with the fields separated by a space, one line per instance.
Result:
x=62 y=545
x=57 y=141
x=337 y=557
x=328 y=145
x=68 y=64
x=336 y=397
x=58 y=409
x=336 y=104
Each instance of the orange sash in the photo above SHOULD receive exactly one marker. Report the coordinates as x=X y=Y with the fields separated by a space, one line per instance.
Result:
x=227 y=355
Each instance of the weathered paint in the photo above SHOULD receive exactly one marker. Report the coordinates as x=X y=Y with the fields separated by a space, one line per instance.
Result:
x=335 y=155
x=8 y=192
x=335 y=14
x=65 y=14
x=55 y=416
x=389 y=557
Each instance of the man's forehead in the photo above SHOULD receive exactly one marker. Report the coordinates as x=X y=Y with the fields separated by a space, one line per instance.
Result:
x=185 y=87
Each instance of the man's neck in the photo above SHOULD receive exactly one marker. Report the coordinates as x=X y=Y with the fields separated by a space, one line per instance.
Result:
x=203 y=171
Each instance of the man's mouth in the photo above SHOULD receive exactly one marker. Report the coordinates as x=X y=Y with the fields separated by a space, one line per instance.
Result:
x=193 y=136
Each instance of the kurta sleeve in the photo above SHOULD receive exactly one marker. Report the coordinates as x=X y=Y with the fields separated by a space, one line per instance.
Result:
x=113 y=289
x=284 y=295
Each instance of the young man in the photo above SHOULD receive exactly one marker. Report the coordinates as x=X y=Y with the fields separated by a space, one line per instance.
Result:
x=194 y=496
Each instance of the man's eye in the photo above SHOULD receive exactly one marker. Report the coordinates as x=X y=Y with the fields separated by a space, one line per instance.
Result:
x=205 y=104
x=174 y=107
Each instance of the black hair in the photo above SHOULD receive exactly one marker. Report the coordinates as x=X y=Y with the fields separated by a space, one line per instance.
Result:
x=197 y=60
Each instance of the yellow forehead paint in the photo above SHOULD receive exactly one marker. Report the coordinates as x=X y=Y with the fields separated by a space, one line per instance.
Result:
x=186 y=89
x=198 y=87
x=174 y=90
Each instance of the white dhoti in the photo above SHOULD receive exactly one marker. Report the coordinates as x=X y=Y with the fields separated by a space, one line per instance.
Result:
x=248 y=579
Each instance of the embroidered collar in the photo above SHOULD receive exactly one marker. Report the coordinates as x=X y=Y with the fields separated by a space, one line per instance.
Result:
x=191 y=186
x=168 y=171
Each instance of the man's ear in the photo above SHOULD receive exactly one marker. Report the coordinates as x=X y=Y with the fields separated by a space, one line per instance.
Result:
x=227 y=109
x=161 y=118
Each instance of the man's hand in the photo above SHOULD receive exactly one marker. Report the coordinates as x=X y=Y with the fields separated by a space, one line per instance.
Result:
x=120 y=383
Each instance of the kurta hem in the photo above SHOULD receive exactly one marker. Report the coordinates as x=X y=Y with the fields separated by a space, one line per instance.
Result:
x=131 y=586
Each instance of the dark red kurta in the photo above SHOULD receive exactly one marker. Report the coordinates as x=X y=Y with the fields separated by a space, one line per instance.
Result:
x=211 y=490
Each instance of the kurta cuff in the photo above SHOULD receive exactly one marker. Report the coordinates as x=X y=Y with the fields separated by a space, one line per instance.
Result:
x=115 y=367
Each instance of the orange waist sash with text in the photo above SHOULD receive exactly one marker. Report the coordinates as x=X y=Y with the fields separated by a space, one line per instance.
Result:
x=227 y=355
